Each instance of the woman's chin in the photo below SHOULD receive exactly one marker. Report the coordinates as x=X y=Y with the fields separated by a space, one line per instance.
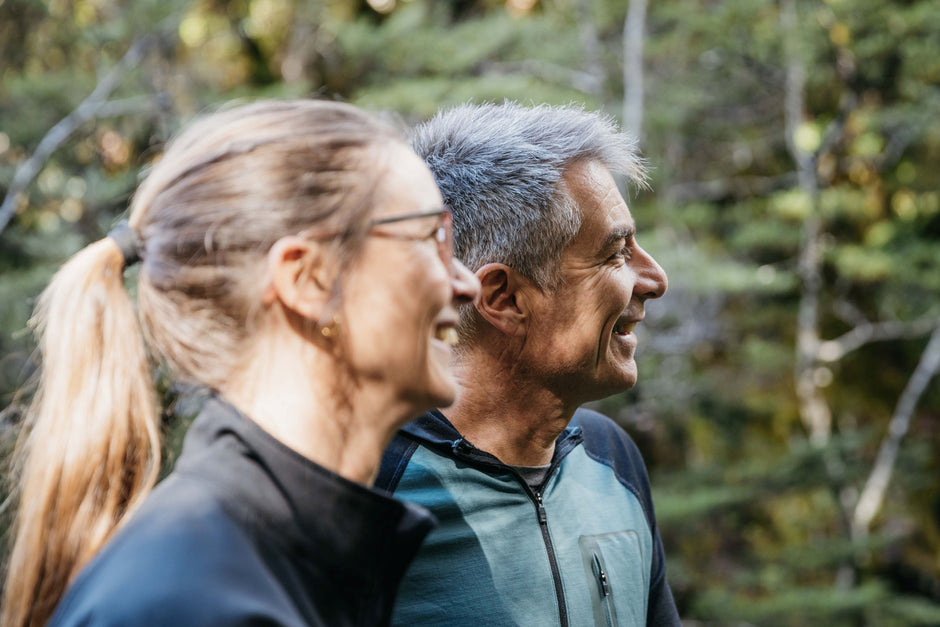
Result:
x=442 y=386
x=437 y=393
x=441 y=393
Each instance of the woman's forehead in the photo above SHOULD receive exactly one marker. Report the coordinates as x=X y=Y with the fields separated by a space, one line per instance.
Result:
x=407 y=185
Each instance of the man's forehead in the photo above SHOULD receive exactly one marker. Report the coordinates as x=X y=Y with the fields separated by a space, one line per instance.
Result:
x=591 y=186
x=604 y=214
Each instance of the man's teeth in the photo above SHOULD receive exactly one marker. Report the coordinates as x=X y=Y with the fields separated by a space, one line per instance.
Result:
x=448 y=335
x=623 y=328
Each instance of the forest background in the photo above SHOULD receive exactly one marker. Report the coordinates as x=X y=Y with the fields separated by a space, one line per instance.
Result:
x=787 y=405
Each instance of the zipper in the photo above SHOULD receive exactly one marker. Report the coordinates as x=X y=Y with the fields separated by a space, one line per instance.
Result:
x=552 y=560
x=470 y=453
x=603 y=589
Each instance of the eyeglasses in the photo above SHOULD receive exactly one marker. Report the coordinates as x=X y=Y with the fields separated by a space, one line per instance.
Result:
x=442 y=233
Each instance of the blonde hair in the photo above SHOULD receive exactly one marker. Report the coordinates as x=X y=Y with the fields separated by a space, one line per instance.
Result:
x=222 y=194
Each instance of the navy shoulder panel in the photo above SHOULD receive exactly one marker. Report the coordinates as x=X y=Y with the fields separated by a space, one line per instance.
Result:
x=394 y=461
x=607 y=443
x=431 y=429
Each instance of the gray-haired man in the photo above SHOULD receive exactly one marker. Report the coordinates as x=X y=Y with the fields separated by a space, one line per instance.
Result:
x=545 y=509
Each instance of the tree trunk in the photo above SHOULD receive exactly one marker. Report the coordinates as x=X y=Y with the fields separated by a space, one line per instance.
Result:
x=634 y=27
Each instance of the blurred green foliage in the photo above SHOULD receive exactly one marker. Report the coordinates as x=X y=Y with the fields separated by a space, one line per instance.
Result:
x=753 y=513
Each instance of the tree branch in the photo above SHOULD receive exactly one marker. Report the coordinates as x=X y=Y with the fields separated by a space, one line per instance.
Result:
x=894 y=150
x=91 y=107
x=873 y=494
x=836 y=129
x=834 y=350
x=846 y=311
x=126 y=106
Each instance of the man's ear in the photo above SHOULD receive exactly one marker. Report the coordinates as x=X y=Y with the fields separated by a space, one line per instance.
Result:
x=503 y=300
x=300 y=277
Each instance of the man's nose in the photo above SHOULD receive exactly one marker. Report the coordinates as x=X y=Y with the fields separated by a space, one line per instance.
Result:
x=651 y=278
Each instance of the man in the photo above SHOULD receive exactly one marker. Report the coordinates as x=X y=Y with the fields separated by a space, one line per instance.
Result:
x=545 y=510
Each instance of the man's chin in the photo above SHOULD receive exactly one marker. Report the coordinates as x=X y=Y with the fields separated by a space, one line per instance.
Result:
x=598 y=388
x=623 y=377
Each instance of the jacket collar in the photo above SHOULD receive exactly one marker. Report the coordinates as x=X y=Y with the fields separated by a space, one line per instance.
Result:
x=342 y=527
x=434 y=430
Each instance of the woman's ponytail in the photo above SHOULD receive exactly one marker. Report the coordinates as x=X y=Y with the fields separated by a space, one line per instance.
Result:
x=90 y=449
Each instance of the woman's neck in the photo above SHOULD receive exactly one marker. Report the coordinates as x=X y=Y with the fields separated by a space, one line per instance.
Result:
x=304 y=404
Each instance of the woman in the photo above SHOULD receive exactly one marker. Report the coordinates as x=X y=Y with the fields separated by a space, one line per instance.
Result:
x=294 y=259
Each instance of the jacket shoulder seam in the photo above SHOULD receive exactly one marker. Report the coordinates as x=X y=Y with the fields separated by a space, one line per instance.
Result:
x=626 y=483
x=391 y=470
x=618 y=457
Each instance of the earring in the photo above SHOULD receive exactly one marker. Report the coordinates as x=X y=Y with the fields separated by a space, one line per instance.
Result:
x=331 y=329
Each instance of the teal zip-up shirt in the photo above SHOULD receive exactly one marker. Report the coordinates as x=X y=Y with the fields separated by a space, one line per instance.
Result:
x=581 y=549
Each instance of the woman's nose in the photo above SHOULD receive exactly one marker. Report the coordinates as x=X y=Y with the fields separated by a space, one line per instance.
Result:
x=465 y=284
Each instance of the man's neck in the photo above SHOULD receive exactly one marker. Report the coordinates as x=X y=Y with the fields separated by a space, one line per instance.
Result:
x=506 y=414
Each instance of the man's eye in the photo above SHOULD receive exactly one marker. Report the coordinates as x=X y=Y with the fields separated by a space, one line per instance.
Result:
x=623 y=253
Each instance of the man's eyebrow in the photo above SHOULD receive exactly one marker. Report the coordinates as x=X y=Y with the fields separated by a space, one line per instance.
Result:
x=620 y=233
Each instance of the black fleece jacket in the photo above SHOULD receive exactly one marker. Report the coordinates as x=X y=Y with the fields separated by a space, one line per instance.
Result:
x=245 y=531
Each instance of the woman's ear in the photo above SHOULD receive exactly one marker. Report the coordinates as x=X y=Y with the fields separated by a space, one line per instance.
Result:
x=300 y=276
x=503 y=300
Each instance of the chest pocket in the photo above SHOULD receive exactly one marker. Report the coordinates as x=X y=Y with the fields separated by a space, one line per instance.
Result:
x=613 y=564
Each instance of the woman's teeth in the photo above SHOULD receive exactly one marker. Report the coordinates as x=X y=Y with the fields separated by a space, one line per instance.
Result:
x=448 y=335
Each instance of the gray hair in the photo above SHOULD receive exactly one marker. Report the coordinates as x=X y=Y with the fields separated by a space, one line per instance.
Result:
x=499 y=168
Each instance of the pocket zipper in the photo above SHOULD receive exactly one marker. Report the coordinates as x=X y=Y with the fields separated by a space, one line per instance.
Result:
x=603 y=588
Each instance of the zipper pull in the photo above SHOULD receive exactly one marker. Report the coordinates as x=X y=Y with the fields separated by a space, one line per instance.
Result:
x=540 y=508
x=460 y=447
x=601 y=576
